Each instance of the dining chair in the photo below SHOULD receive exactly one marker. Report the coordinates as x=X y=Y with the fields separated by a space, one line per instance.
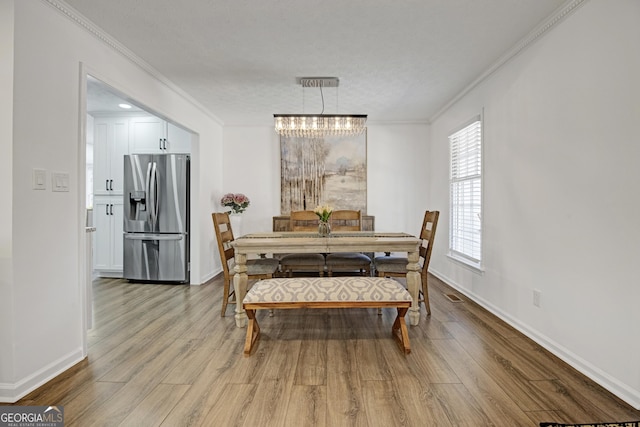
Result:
x=347 y=220
x=303 y=221
x=392 y=266
x=261 y=268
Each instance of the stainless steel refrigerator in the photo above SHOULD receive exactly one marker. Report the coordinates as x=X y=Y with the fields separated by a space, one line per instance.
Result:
x=156 y=217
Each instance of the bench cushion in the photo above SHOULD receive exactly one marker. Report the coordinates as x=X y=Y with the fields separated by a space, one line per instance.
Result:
x=316 y=289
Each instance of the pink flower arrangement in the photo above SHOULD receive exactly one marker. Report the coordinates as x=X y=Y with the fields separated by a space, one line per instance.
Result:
x=237 y=202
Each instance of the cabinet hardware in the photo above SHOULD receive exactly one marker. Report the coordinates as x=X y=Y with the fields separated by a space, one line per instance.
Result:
x=164 y=143
x=111 y=210
x=160 y=143
x=106 y=209
x=111 y=184
x=106 y=185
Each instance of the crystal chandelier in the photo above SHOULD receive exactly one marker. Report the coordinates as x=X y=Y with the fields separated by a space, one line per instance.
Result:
x=319 y=125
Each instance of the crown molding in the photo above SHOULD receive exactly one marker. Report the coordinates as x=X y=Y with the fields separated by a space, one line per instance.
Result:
x=559 y=15
x=105 y=38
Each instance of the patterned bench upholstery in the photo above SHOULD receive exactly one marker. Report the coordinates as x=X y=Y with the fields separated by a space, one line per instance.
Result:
x=328 y=292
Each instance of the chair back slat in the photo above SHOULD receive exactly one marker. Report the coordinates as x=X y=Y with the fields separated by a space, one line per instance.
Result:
x=346 y=220
x=428 y=234
x=303 y=221
x=224 y=237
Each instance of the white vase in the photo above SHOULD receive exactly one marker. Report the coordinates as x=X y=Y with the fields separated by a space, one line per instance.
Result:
x=236 y=224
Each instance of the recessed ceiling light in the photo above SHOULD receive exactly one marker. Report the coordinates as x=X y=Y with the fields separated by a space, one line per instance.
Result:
x=125 y=106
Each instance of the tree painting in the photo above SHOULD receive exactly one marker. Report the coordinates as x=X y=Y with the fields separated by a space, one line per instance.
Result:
x=329 y=170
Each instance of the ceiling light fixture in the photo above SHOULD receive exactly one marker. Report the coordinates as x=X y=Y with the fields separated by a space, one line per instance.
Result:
x=319 y=125
x=125 y=106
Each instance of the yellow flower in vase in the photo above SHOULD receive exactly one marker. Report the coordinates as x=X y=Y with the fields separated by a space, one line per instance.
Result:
x=324 y=213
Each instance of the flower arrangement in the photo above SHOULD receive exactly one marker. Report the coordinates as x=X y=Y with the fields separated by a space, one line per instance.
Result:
x=323 y=212
x=237 y=202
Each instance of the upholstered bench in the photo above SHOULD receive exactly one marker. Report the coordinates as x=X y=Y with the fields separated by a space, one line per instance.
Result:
x=328 y=292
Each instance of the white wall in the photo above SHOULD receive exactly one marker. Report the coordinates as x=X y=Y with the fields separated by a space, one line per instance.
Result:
x=561 y=203
x=397 y=190
x=6 y=191
x=47 y=231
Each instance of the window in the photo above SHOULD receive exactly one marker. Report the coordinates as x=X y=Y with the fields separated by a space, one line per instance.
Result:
x=465 y=225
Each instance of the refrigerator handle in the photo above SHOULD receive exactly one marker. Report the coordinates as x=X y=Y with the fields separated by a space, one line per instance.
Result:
x=149 y=194
x=154 y=195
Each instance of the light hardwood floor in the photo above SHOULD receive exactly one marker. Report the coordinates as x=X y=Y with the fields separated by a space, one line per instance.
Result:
x=162 y=355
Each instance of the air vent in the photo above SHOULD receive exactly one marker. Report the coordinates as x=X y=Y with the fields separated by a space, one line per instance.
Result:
x=453 y=298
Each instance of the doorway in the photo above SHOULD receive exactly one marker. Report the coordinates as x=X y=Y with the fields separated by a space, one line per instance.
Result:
x=106 y=117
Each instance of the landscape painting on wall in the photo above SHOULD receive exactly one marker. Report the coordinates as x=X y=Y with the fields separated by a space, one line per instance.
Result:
x=318 y=171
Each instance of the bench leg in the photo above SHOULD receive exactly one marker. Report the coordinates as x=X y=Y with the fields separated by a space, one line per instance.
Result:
x=399 y=331
x=253 y=332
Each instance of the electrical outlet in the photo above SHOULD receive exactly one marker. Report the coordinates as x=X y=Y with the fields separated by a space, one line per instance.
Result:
x=536 y=297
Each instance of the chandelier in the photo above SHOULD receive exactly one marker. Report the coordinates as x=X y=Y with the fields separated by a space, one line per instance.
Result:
x=319 y=125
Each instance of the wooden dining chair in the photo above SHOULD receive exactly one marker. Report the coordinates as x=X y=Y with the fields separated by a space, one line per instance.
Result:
x=303 y=221
x=392 y=266
x=262 y=268
x=347 y=220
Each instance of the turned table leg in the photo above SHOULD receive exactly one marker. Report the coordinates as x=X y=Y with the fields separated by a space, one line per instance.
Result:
x=240 y=285
x=413 y=286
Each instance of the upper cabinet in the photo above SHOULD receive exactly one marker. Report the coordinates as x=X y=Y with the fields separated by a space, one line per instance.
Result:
x=110 y=144
x=178 y=139
x=149 y=134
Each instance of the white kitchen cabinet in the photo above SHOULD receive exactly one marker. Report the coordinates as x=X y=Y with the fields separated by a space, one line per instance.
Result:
x=108 y=221
x=147 y=134
x=150 y=134
x=110 y=144
x=178 y=139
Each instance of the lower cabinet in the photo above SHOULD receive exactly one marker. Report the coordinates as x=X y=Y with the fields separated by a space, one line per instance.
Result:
x=108 y=220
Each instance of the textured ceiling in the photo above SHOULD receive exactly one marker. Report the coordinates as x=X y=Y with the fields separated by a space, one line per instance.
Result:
x=397 y=60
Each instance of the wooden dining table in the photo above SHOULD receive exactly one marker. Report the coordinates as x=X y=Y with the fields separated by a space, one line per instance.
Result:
x=304 y=242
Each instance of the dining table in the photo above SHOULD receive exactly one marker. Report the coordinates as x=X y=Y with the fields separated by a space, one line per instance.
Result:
x=258 y=244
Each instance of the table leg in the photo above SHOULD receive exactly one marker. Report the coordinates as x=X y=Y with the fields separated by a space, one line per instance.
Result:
x=240 y=286
x=413 y=285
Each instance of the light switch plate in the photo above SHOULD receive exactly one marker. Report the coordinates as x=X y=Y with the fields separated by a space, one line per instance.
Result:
x=59 y=181
x=39 y=179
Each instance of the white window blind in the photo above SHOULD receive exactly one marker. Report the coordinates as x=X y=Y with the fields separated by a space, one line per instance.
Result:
x=465 y=225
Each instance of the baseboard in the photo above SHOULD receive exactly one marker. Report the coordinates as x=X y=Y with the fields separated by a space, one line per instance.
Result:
x=108 y=273
x=11 y=393
x=615 y=386
x=208 y=277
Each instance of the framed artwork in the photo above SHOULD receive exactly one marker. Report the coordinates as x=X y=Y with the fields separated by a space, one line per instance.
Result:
x=318 y=171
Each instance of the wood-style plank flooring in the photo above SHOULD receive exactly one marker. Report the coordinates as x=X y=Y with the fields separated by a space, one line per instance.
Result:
x=161 y=355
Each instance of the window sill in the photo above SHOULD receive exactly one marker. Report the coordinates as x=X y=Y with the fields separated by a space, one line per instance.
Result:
x=474 y=266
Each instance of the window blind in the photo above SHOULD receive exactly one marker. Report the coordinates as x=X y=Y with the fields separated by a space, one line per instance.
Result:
x=465 y=225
